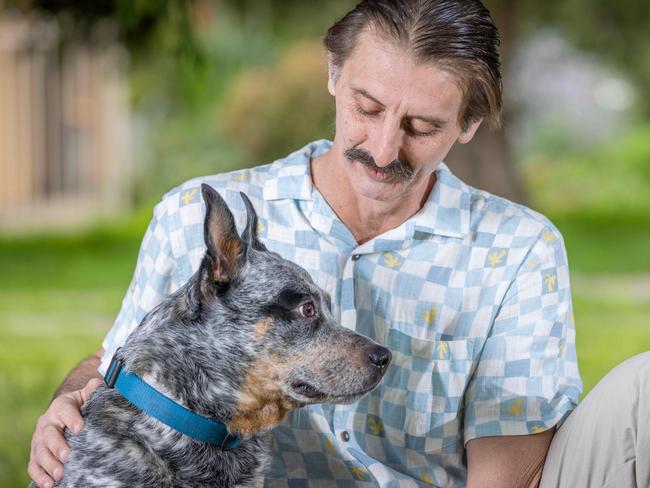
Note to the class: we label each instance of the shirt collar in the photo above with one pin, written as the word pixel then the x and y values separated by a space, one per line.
pixel 290 177
pixel 446 211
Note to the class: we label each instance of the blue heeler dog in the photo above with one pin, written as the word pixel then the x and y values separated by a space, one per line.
pixel 246 339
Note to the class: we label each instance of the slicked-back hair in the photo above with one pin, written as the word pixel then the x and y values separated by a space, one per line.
pixel 459 36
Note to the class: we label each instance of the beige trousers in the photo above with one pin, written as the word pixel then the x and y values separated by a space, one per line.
pixel 605 441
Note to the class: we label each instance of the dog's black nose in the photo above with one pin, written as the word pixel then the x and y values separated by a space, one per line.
pixel 380 356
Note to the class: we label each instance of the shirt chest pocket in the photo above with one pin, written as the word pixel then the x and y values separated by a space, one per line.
pixel 422 400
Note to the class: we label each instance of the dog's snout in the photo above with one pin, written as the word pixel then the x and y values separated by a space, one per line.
pixel 380 356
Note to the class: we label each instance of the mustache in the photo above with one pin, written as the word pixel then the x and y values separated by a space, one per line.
pixel 396 170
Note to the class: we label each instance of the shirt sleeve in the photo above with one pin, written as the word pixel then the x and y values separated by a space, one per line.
pixel 527 377
pixel 151 282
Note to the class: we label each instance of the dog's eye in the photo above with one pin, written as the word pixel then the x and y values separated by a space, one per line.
pixel 307 309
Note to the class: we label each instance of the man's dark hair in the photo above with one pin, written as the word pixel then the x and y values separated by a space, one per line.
pixel 457 35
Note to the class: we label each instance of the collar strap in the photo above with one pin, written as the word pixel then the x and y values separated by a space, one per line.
pixel 167 411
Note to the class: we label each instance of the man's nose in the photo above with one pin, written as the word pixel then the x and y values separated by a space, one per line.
pixel 387 142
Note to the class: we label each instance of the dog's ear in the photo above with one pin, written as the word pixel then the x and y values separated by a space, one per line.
pixel 224 247
pixel 249 236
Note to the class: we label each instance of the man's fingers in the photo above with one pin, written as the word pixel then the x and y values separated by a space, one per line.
pixel 56 443
pixel 90 387
pixel 39 475
pixel 45 467
pixel 49 463
pixel 49 448
pixel 68 414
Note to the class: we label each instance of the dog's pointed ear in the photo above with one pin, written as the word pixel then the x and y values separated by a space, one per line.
pixel 249 236
pixel 224 247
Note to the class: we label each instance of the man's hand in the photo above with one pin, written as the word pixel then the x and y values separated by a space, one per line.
pixel 49 448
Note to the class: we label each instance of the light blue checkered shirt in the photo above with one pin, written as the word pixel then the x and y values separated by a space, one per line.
pixel 471 295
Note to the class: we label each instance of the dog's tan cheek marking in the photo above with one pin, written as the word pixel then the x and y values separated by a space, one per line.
pixel 262 328
pixel 262 405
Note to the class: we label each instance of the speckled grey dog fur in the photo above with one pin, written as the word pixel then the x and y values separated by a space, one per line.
pixel 249 337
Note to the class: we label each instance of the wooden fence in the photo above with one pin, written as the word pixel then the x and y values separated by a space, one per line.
pixel 64 121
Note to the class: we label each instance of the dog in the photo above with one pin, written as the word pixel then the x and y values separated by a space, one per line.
pixel 246 339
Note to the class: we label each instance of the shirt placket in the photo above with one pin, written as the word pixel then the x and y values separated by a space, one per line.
pixel 342 419
pixel 353 257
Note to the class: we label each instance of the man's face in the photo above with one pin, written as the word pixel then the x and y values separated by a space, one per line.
pixel 395 119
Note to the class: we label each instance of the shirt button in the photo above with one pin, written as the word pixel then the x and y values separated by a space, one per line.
pixel 345 436
pixel 356 257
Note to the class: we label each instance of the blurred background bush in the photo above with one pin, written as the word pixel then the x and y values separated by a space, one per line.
pixel 106 105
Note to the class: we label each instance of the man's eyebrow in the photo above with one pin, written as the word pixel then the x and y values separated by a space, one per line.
pixel 364 93
pixel 434 121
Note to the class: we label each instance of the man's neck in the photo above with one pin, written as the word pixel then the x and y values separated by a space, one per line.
pixel 364 217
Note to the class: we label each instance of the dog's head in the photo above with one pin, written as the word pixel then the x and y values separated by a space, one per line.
pixel 274 312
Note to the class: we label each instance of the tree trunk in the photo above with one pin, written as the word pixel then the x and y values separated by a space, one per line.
pixel 487 162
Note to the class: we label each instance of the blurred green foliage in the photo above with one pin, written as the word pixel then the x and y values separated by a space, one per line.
pixel 614 31
pixel 277 108
pixel 607 179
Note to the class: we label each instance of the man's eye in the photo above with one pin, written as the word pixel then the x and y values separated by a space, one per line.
pixel 418 133
pixel 307 309
pixel 418 130
pixel 363 111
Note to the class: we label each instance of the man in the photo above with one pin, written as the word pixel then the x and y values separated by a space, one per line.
pixel 469 291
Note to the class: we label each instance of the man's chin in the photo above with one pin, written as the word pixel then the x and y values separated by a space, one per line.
pixel 380 192
pixel 367 186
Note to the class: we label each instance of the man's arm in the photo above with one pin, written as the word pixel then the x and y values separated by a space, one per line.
pixel 81 374
pixel 507 461
pixel 49 449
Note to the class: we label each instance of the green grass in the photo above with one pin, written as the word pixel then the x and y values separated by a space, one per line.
pixel 59 296
pixel 43 334
pixel 608 332
pixel 606 243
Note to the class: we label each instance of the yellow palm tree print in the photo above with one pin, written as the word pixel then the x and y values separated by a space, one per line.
pixel 516 408
pixel 375 426
pixel 443 350
pixel 189 195
pixel 329 446
pixel 426 477
pixel 390 260
pixel 551 282
pixel 548 236
pixel 496 257
pixel 430 316
pixel 359 472
pixel 242 176
pixel 260 227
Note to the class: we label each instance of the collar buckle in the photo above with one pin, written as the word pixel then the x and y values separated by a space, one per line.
pixel 113 370
pixel 230 441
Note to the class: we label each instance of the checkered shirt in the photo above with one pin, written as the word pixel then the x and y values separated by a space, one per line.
pixel 471 295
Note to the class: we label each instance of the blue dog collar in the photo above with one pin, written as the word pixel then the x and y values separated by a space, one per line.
pixel 166 410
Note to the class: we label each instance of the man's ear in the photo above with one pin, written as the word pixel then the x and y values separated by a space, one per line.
pixel 333 73
pixel 224 247
pixel 468 133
